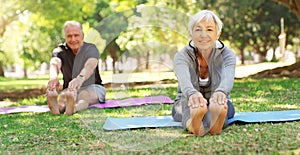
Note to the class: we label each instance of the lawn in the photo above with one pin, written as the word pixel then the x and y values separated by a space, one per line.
pixel 82 133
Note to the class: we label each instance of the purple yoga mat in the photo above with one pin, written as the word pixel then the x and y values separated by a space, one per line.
pixel 30 108
pixel 108 104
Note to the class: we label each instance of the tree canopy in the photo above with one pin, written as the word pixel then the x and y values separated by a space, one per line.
pixel 29 30
pixel 294 6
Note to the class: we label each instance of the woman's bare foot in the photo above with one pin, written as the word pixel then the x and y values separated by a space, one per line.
pixel 70 103
pixel 52 101
pixel 218 115
pixel 194 124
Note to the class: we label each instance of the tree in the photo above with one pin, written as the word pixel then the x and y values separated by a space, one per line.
pixel 47 18
pixel 293 5
pixel 125 24
pixel 148 24
pixel 129 15
pixel 257 26
pixel 10 11
pixel 111 24
pixel 34 49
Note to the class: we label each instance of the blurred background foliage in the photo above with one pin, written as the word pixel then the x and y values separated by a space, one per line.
pixel 29 30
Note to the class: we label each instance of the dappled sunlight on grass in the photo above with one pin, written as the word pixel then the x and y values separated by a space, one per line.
pixel 33 132
pixel 130 140
pixel 246 70
pixel 36 131
pixel 145 110
pixel 263 94
pixel 251 104
pixel 13 84
pixel 155 90
pixel 40 100
pixel 286 107
pixel 25 121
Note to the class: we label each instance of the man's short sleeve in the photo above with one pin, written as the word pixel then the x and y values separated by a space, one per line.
pixel 56 51
pixel 92 52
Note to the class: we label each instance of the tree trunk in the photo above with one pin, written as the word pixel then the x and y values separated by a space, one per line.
pixel 114 65
pixel 147 60
pixel 242 56
pixel 112 48
pixel 25 73
pixel 113 53
pixel 1 70
pixel 138 64
pixel 105 65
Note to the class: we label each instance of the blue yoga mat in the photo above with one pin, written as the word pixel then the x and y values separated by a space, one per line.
pixel 167 121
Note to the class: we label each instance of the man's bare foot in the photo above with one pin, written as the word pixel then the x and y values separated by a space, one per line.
pixel 194 124
pixel 70 104
pixel 62 102
pixel 52 101
pixel 218 115
pixel 62 106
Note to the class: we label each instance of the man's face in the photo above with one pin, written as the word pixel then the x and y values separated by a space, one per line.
pixel 74 37
pixel 205 34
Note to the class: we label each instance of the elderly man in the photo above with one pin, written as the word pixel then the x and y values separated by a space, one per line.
pixel 78 62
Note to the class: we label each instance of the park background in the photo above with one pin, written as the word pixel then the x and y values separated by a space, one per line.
pixel 137 41
pixel 135 36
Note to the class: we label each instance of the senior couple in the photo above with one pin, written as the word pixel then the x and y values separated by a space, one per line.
pixel 205 70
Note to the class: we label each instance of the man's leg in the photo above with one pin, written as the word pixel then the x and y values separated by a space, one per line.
pixel 89 95
pixel 85 98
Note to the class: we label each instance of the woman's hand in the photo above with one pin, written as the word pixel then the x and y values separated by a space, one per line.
pixel 196 100
pixel 218 97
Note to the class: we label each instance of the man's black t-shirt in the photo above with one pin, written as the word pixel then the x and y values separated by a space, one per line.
pixel 72 64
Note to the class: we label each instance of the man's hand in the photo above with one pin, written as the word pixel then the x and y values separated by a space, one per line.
pixel 53 84
pixel 76 83
pixel 218 97
pixel 197 100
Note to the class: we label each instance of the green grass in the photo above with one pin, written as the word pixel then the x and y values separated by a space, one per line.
pixel 82 133
pixel 16 84
pixel 266 94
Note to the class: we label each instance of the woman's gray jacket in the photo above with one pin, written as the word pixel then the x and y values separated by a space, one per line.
pixel 221 71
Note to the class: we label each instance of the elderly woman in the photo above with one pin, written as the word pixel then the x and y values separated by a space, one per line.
pixel 205 71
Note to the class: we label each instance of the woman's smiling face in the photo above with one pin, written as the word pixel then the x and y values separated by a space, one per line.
pixel 204 34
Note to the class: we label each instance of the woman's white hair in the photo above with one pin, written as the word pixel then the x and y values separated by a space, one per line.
pixel 72 23
pixel 208 15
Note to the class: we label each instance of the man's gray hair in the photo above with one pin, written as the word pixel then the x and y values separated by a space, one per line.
pixel 205 14
pixel 72 23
